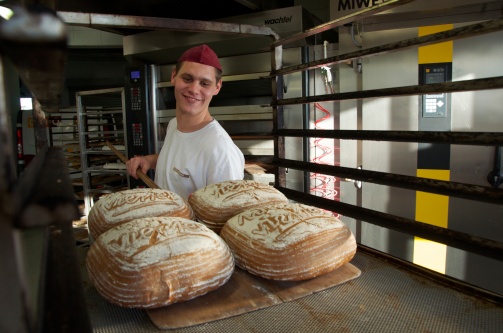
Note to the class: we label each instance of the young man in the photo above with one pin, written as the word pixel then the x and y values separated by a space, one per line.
pixel 197 151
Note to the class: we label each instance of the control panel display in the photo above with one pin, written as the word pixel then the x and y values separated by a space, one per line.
pixel 135 76
pixel 435 105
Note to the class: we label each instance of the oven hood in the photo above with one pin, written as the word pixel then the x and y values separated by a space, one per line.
pixel 164 47
pixel 431 12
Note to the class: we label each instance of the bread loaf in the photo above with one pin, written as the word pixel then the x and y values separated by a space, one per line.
pixel 116 208
pixel 214 204
pixel 288 241
pixel 154 262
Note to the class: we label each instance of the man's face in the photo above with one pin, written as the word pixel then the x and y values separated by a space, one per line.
pixel 195 85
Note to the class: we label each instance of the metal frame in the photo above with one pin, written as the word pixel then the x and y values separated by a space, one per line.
pixel 471 243
pixel 85 152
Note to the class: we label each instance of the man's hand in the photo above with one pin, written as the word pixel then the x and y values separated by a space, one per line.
pixel 144 163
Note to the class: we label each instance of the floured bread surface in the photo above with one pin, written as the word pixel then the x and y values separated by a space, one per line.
pixel 116 208
pixel 214 204
pixel 154 262
pixel 288 241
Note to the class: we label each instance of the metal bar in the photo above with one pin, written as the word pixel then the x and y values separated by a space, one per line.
pixel 278 118
pixel 374 9
pixel 306 118
pixel 473 244
pixel 457 86
pixel 7 157
pixel 458 138
pixel 444 36
pixel 14 311
pixel 453 189
pixel 63 304
pixel 100 91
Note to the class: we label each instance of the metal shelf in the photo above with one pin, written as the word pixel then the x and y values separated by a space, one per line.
pixel 95 179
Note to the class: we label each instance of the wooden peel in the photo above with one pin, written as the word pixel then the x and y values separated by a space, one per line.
pixel 140 173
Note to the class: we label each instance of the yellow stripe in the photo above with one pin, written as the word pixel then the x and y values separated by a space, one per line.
pixel 440 52
pixel 432 209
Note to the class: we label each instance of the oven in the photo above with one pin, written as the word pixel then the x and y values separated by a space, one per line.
pixel 243 106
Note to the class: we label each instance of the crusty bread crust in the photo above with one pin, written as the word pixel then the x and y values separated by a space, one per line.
pixel 288 241
pixel 154 262
pixel 117 208
pixel 214 204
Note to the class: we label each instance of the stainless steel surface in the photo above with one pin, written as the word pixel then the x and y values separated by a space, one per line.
pixel 413 42
pixel 385 298
pixel 195 9
pixel 474 58
pixel 433 12
pixel 236 37
pixel 476 111
pixel 358 15
pixel 170 37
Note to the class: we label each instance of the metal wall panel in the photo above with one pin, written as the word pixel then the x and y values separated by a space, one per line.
pixel 475 57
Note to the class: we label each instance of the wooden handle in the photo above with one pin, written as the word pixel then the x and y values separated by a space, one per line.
pixel 140 173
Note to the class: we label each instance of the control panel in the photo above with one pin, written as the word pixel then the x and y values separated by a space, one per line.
pixel 435 105
pixel 138 116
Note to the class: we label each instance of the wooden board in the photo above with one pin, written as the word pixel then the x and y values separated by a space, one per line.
pixel 244 293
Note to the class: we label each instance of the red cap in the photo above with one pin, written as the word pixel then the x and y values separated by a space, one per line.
pixel 202 54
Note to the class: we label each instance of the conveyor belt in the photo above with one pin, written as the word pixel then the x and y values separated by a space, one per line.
pixel 385 298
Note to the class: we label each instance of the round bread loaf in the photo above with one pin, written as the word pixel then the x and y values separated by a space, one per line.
pixel 116 208
pixel 214 204
pixel 288 241
pixel 154 262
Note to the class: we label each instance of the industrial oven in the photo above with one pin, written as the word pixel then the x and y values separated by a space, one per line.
pixel 243 105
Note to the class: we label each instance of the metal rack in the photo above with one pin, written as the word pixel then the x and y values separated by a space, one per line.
pixel 100 119
pixel 356 214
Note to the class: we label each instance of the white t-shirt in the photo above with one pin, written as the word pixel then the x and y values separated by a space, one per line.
pixel 190 161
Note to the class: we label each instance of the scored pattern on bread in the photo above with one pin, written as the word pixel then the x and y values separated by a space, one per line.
pixel 154 262
pixel 214 204
pixel 116 208
pixel 288 241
